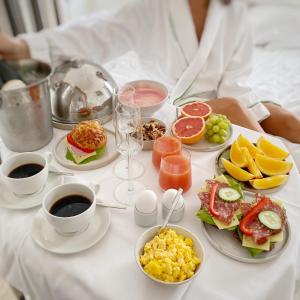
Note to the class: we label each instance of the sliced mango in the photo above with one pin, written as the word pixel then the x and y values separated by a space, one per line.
pixel 272 166
pixel 269 182
pixel 244 142
pixel 235 171
pixel 270 149
pixel 251 165
pixel 236 155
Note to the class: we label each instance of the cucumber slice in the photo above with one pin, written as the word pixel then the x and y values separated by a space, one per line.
pixel 270 219
pixel 229 194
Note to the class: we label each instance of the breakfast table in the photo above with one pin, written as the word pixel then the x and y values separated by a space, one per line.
pixel 108 270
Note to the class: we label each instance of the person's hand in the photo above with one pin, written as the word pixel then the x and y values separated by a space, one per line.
pixel 13 47
pixel 282 123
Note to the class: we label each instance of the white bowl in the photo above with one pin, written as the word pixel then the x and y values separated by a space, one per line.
pixel 151 232
pixel 148 145
pixel 150 109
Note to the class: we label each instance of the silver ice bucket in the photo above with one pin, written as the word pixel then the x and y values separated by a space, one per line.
pixel 25 113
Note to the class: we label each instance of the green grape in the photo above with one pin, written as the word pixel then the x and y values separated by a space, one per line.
pixel 222 140
pixel 223 125
pixel 216 138
pixel 216 128
pixel 209 125
pixel 223 133
pixel 211 140
pixel 210 132
pixel 213 120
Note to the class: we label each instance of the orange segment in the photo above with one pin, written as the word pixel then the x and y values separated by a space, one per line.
pixel 235 171
pixel 272 166
pixel 270 149
pixel 269 182
pixel 244 142
pixel 236 155
pixel 251 165
pixel 189 130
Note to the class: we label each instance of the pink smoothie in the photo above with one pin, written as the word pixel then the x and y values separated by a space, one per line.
pixel 144 96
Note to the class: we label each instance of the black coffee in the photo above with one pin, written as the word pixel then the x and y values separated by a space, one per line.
pixel 26 171
pixel 70 206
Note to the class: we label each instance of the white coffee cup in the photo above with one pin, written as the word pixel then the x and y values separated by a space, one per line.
pixel 73 224
pixel 26 185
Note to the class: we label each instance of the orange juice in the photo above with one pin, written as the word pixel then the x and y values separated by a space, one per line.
pixel 163 146
pixel 175 172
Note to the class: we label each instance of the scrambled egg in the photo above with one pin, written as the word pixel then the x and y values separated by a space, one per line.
pixel 170 257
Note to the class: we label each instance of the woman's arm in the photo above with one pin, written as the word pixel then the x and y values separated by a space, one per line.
pixel 98 37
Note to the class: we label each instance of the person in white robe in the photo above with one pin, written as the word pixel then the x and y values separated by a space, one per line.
pixel 198 48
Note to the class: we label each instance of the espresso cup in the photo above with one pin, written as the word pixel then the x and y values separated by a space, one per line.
pixel 69 224
pixel 25 185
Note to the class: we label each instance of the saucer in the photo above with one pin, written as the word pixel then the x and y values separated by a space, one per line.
pixel 45 236
pixel 12 201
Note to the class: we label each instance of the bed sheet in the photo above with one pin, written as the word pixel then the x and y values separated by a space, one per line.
pixel 276 75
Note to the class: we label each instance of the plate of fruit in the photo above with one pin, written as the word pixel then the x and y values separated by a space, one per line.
pixel 258 166
pixel 201 130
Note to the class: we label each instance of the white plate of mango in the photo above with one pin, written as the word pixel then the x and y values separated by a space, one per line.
pixel 260 166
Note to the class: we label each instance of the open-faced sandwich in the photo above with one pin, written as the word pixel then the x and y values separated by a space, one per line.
pixel 258 225
pixel 220 203
pixel 86 142
pixel 261 225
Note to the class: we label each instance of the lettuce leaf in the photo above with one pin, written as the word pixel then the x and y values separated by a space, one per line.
pixel 205 216
pixel 99 153
pixel 235 185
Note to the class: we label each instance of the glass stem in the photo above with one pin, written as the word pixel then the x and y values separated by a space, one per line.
pixel 130 182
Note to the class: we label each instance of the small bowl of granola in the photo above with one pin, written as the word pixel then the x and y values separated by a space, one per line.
pixel 152 129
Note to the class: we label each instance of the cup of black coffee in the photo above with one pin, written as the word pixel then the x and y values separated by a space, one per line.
pixel 70 207
pixel 25 173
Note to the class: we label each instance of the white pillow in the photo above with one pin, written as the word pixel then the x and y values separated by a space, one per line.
pixel 276 26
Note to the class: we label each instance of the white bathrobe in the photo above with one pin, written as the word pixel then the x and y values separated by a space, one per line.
pixel 163 35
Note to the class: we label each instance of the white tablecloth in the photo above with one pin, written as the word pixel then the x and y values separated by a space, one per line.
pixel 108 270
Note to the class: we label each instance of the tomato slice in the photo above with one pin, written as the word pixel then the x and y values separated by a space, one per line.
pixel 212 197
pixel 73 143
pixel 252 214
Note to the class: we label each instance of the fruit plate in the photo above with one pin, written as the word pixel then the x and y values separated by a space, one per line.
pixel 109 155
pixel 205 146
pixel 227 244
pixel 245 185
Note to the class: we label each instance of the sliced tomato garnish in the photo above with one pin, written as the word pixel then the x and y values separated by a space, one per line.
pixel 73 143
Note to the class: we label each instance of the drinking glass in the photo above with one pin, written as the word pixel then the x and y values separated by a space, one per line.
pixel 175 171
pixel 126 98
pixel 129 141
pixel 163 146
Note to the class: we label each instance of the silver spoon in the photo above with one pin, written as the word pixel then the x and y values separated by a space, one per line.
pixel 175 202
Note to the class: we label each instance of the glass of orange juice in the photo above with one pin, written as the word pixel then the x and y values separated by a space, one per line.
pixel 163 146
pixel 175 171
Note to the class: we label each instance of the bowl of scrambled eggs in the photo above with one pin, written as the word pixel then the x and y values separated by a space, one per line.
pixel 173 256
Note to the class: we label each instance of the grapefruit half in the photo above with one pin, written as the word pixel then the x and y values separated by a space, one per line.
pixel 189 130
pixel 196 109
